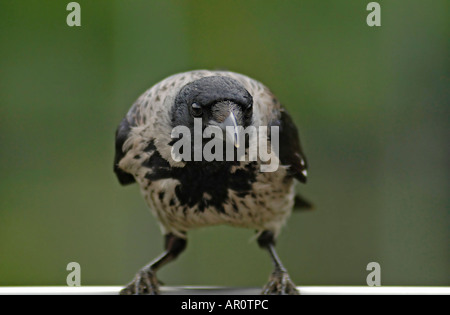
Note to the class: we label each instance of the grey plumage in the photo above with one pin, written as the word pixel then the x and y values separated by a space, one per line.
pixel 184 195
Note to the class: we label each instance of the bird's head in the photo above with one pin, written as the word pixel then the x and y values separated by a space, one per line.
pixel 218 101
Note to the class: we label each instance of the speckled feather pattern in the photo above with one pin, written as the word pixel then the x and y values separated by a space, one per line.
pixel 272 193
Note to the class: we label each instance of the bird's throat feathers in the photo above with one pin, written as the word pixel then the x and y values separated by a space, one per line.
pixel 198 180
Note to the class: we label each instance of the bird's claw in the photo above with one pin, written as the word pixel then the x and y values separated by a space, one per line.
pixel 280 284
pixel 145 283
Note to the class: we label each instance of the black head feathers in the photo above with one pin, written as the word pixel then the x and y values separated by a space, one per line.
pixel 206 92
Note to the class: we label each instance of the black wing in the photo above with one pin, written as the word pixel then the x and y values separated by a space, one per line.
pixel 291 153
pixel 121 136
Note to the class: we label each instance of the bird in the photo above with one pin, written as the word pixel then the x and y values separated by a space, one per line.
pixel 186 193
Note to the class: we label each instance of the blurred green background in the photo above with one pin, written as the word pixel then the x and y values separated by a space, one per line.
pixel 371 103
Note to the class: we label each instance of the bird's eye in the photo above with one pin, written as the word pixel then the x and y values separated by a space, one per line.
pixel 196 110
pixel 248 110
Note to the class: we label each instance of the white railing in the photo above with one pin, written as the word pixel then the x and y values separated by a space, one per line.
pixel 197 290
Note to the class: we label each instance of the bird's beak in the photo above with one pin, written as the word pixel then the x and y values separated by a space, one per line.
pixel 231 129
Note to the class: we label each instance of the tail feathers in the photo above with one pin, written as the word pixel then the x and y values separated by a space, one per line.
pixel 301 204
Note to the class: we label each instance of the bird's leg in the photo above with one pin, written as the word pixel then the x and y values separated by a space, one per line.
pixel 145 281
pixel 279 281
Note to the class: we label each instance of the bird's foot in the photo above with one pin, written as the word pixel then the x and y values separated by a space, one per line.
pixel 145 283
pixel 280 284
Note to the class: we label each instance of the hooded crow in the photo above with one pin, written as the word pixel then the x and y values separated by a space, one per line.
pixel 197 144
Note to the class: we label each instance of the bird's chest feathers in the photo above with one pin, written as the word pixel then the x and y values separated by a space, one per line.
pixel 201 185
